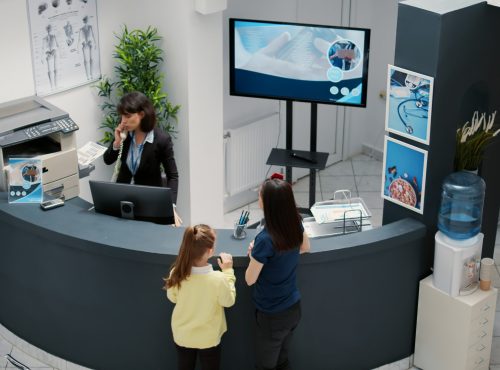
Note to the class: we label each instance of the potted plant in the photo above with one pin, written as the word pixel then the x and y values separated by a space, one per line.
pixel 472 139
pixel 139 60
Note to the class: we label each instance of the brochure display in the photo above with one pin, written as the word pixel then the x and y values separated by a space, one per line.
pixel 404 168
pixel 25 180
pixel 408 104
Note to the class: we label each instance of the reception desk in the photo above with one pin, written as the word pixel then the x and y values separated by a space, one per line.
pixel 86 287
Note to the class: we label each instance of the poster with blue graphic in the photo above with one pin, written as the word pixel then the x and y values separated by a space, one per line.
pixel 403 180
pixel 408 104
pixel 25 180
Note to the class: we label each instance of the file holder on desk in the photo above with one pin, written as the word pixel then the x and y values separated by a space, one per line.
pixel 337 216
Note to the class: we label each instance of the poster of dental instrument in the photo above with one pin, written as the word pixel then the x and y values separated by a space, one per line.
pixel 408 104
pixel 25 180
pixel 64 44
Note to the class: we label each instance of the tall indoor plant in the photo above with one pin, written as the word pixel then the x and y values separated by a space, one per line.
pixel 472 139
pixel 138 66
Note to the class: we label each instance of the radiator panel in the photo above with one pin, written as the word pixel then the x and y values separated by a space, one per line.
pixel 246 151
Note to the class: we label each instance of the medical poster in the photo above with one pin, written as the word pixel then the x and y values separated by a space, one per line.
pixel 408 104
pixel 25 180
pixel 64 44
pixel 403 180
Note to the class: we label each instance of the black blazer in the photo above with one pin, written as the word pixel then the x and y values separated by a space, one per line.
pixel 149 172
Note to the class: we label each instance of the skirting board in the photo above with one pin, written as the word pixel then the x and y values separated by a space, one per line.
pixel 373 152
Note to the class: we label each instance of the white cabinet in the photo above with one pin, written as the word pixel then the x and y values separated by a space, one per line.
pixel 454 332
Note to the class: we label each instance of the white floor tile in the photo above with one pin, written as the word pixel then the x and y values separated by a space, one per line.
pixel 369 183
pixel 372 199
pixel 367 168
pixel 362 157
pixel 72 366
pixel 496 327
pixel 495 351
pixel 5 347
pixel 330 184
pixel 303 184
pixel 3 362
pixel 343 168
pixel 27 360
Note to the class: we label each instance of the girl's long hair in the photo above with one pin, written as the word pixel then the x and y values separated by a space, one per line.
pixel 283 222
pixel 195 242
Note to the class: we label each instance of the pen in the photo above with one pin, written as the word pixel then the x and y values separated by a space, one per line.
pixel 298 156
pixel 240 221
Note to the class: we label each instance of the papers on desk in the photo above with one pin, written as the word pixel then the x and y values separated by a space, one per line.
pixel 89 153
pixel 338 210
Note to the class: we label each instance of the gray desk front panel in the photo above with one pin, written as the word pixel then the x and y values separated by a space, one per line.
pixel 87 287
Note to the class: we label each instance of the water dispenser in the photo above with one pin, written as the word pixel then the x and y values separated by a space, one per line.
pixel 461 208
pixel 458 243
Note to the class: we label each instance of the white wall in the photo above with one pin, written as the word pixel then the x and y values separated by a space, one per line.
pixel 366 126
pixel 194 60
pixel 183 32
pixel 362 125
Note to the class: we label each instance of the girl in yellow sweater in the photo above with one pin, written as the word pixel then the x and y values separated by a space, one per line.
pixel 200 295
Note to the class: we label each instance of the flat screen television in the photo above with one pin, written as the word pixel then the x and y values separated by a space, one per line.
pixel 299 62
pixel 137 202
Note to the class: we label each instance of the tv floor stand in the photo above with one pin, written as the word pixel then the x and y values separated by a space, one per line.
pixel 290 158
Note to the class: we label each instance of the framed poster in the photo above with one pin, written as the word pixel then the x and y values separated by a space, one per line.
pixel 408 104
pixel 25 180
pixel 403 180
pixel 64 44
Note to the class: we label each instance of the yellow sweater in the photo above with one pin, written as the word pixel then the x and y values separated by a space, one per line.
pixel 198 320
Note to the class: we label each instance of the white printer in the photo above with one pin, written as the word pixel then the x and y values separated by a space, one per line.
pixel 31 127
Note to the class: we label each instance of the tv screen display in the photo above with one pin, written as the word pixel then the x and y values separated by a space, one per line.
pixel 137 202
pixel 301 62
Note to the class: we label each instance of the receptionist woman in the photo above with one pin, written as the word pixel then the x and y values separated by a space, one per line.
pixel 141 146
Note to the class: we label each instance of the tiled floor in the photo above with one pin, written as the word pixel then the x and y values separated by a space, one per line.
pixel 361 175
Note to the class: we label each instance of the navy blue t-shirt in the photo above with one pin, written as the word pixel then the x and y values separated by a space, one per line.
pixel 276 287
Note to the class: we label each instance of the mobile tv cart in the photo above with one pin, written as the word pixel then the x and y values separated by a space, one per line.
pixel 299 158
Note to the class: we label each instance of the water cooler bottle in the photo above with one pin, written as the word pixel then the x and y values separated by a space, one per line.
pixel 458 243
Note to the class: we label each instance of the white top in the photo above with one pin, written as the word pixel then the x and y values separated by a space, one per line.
pixel 441 6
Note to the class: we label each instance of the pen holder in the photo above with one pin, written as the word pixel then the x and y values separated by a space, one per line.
pixel 239 231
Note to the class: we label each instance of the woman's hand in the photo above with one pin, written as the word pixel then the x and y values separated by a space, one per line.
pixel 177 219
pixel 118 132
pixel 225 261
pixel 249 250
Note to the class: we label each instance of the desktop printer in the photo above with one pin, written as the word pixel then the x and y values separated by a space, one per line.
pixel 32 128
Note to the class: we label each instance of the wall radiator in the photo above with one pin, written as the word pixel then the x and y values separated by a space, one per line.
pixel 246 150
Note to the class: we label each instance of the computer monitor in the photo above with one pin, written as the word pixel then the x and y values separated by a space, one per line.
pixel 136 202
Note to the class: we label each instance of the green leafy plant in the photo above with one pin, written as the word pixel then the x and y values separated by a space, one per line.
pixel 472 139
pixel 139 60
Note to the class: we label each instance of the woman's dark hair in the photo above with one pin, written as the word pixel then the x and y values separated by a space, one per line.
pixel 136 102
pixel 283 222
pixel 196 241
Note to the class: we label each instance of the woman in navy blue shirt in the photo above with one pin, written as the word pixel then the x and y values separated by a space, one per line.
pixel 274 255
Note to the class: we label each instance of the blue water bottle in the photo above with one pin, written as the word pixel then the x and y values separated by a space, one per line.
pixel 461 210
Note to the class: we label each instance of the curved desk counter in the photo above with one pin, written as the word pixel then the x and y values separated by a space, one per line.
pixel 87 288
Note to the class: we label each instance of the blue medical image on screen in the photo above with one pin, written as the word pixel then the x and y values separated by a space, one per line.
pixel 301 62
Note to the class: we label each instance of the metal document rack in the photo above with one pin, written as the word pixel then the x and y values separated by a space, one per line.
pixel 338 216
